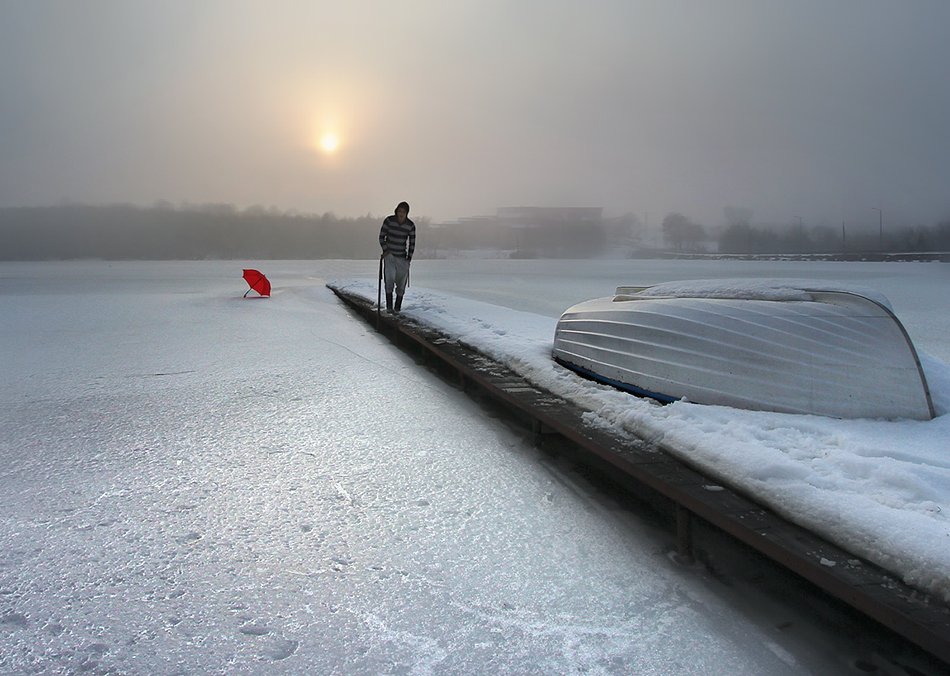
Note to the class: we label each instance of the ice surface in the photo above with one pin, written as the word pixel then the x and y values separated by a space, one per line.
pixel 192 482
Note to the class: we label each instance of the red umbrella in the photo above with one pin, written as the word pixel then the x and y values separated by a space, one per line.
pixel 257 281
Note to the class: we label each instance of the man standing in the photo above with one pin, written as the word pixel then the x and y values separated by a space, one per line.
pixel 397 238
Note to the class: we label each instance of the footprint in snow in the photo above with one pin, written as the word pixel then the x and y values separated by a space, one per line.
pixel 253 629
pixel 280 648
pixel 188 538
pixel 15 620
pixel 273 648
pixel 340 564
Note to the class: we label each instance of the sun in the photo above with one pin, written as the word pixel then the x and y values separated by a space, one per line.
pixel 329 143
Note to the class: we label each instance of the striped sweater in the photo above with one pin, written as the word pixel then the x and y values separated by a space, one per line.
pixel 399 240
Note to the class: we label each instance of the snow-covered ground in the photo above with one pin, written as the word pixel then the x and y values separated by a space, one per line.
pixel 878 488
pixel 192 482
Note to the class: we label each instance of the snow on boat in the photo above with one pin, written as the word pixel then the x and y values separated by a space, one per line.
pixel 767 345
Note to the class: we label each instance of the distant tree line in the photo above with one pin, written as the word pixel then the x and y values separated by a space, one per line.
pixel 741 237
pixel 165 232
pixel 222 231
pixel 744 238
pixel 747 239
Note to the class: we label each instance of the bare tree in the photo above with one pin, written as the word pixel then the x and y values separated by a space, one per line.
pixel 682 233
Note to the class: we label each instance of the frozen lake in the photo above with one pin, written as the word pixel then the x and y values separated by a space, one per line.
pixel 916 290
pixel 194 482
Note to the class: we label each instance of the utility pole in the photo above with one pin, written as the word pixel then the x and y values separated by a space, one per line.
pixel 880 236
pixel 844 238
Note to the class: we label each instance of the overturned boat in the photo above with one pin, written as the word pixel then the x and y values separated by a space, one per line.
pixel 770 345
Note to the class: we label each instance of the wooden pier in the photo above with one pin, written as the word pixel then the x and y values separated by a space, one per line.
pixel 639 464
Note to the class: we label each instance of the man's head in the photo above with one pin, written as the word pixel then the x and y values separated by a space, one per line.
pixel 402 211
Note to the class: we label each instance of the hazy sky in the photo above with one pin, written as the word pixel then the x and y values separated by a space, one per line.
pixel 800 108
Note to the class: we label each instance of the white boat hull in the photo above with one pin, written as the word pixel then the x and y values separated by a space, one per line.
pixel 838 354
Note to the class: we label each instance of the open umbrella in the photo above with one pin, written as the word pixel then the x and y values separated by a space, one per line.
pixel 257 281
